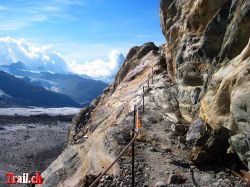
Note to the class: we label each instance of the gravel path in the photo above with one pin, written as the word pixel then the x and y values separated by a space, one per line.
pixel 162 156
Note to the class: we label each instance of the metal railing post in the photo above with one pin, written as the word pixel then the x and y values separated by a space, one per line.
pixel 113 163
pixel 152 75
pixel 148 84
pixel 131 143
pixel 143 107
pixel 133 149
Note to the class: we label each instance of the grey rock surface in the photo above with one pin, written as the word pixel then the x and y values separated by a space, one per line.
pixel 196 130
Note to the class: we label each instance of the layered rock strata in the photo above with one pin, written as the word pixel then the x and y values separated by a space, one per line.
pixel 208 54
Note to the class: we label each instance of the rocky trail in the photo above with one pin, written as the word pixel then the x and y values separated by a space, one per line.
pixel 162 154
pixel 165 151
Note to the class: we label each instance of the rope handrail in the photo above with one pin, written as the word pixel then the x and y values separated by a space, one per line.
pixel 142 84
pixel 135 131
pixel 111 165
pixel 149 77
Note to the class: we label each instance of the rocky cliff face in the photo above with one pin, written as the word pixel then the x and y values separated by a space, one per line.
pixel 208 52
pixel 196 106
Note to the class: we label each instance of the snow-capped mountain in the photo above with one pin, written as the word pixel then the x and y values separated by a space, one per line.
pixel 35 58
pixel 80 89
pixel 44 59
pixel 40 66
pixel 16 92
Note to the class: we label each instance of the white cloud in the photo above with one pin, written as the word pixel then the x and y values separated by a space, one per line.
pixel 43 58
pixel 99 68
pixel 36 58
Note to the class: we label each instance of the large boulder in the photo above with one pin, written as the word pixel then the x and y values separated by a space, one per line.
pixel 196 130
pixel 241 144
pixel 211 147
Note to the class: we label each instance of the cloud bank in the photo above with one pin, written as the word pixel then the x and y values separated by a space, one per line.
pixel 43 58
pixel 100 69
pixel 35 58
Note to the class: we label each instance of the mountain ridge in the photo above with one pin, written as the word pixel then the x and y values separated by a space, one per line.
pixel 19 93
pixel 80 89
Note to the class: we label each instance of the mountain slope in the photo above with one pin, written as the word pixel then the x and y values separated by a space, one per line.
pixel 18 92
pixel 106 123
pixel 80 89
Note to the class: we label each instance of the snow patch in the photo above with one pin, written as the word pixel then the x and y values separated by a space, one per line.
pixel 39 110
pixel 2 93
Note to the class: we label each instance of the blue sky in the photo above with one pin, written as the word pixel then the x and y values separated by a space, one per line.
pixel 82 30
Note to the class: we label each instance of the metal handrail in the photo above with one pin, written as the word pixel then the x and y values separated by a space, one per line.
pixel 135 133
pixel 111 165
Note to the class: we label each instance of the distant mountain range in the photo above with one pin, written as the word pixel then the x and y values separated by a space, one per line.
pixel 43 68
pixel 76 90
pixel 16 92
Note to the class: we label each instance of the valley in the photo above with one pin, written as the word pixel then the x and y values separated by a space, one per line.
pixel 31 138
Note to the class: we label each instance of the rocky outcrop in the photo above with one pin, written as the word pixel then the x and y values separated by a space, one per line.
pixel 227 102
pixel 134 55
pixel 100 131
pixel 206 55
